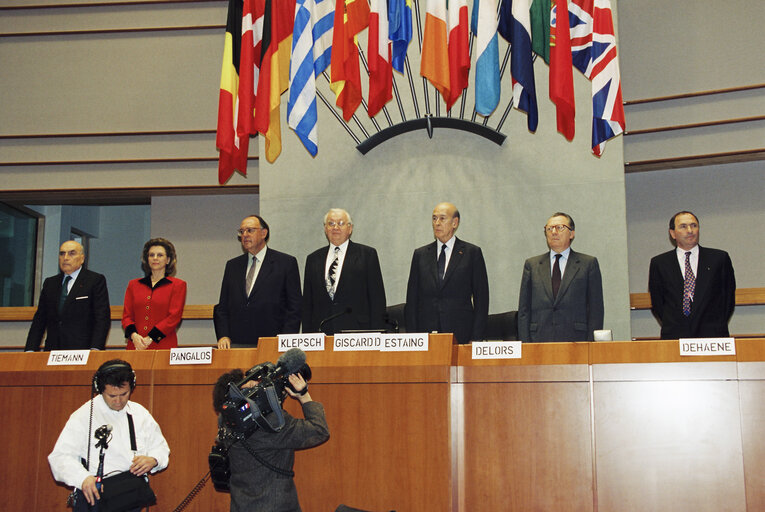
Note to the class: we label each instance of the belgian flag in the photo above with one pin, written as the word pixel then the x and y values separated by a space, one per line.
pixel 233 149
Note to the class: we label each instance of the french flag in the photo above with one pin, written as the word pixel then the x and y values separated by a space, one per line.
pixel 380 69
pixel 521 62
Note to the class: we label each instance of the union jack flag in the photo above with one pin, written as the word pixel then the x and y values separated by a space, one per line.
pixel 593 48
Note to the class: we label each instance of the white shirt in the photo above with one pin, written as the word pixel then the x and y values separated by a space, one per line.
pixel 72 443
pixel 561 263
pixel 340 259
pixel 449 250
pixel 250 261
pixel 694 260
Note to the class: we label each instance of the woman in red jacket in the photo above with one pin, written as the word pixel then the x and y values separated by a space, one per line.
pixel 154 304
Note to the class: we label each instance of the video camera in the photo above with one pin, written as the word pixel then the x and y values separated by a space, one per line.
pixel 246 408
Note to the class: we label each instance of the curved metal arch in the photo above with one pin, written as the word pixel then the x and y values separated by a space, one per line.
pixel 429 123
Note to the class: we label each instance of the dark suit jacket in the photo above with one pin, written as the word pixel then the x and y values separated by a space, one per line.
pixel 359 287
pixel 575 312
pixel 273 306
pixel 460 305
pixel 714 296
pixel 84 321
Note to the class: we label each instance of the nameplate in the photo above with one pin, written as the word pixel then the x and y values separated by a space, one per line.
pixel 358 341
pixel 496 349
pixel 191 355
pixel 415 342
pixel 707 347
pixel 305 342
pixel 66 357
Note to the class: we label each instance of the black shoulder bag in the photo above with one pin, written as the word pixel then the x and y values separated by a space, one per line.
pixel 126 491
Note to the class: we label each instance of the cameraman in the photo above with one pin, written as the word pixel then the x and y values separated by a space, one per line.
pixel 255 487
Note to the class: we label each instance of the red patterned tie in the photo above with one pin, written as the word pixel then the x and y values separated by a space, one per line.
pixel 690 285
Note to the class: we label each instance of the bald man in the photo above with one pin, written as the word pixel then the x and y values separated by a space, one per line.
pixel 448 289
pixel 73 306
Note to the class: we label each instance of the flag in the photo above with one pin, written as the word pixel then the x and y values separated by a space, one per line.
pixel 313 20
pixel 561 77
pixel 252 32
pixel 434 64
pixel 459 49
pixel 484 27
pixel 380 69
pixel 351 17
pixel 323 17
pixel 593 47
pixel 399 30
pixel 522 64
pixel 233 150
pixel 274 72
pixel 540 28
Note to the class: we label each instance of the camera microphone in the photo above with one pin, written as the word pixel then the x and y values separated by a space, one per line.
pixel 290 362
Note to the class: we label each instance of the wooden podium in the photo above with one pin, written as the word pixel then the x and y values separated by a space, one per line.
pixel 595 427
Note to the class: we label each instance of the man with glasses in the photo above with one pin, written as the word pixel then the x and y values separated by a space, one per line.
pixel 73 308
pixel 448 288
pixel 693 288
pixel 260 294
pixel 343 285
pixel 561 295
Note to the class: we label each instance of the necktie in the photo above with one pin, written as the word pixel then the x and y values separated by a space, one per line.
pixel 689 286
pixel 251 275
pixel 556 276
pixel 332 275
pixel 64 293
pixel 442 263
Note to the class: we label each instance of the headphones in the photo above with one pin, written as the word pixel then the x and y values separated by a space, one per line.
pixel 109 368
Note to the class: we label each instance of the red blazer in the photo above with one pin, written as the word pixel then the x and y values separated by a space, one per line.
pixel 154 312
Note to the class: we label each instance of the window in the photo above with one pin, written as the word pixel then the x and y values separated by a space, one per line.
pixel 18 256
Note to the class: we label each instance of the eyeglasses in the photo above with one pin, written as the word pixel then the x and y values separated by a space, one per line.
pixel 340 223
pixel 249 231
pixel 559 228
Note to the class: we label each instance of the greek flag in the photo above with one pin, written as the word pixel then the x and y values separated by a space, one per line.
pixel 311 48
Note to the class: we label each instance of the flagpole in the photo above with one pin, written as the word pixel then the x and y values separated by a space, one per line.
pixel 398 100
pixel 337 116
pixel 419 41
pixel 384 108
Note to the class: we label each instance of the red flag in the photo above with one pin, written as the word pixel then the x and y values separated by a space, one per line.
pixel 249 70
pixel 380 69
pixel 351 17
pixel 561 77
pixel 233 149
pixel 459 50
pixel 278 18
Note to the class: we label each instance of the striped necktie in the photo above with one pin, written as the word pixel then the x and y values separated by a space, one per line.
pixel 689 286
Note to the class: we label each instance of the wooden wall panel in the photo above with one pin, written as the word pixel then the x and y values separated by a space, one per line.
pixel 527 447
pixel 673 446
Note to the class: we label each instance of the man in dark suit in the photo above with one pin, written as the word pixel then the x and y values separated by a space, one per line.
pixel 73 306
pixel 260 293
pixel 342 285
pixel 693 288
pixel 561 295
pixel 448 289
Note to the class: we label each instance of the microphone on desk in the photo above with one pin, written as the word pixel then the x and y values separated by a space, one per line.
pixel 346 311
